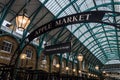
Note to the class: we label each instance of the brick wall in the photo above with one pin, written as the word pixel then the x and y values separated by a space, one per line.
pixel 5 56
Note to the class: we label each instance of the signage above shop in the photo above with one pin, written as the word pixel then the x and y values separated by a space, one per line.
pixel 58 48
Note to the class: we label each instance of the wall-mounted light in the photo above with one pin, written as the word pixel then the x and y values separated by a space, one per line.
pixel 67 68
pixel 57 65
pixel 23 56
pixel 80 71
pixel 22 20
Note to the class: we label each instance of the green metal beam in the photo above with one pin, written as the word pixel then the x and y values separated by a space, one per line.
pixel 76 11
pixel 96 51
pixel 40 19
pixel 39 49
pixel 96 40
pixel 19 10
pixel 96 44
pixel 99 37
pixel 5 11
pixel 83 24
pixel 66 7
pixel 103 5
pixel 22 45
pixel 33 17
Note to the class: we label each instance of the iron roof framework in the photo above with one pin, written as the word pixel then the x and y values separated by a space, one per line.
pixel 99 43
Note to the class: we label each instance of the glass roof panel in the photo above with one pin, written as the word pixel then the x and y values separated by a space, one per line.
pixel 98 38
pixel 113 62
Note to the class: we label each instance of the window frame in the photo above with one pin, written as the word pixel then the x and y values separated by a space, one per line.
pixel 4 45
pixel 31 54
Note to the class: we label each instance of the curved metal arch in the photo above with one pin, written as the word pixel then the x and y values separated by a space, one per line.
pixel 98 54
pixel 94 60
pixel 95 56
pixel 101 45
pixel 96 44
pixel 91 57
pixel 112 52
pixel 97 51
pixel 85 32
pixel 97 61
pixel 111 46
pixel 98 48
pixel 115 3
pixel 65 7
pixel 76 29
pixel 106 4
pixel 102 59
pixel 96 34
pixel 102 5
pixel 105 51
pixel 100 42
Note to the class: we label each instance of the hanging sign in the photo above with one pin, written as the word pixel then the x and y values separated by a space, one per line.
pixel 58 48
pixel 84 17
pixel 92 16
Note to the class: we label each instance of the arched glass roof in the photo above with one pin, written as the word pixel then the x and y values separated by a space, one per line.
pixel 98 42
pixel 101 40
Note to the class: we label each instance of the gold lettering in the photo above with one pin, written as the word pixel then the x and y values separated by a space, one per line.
pixel 75 18
pixel 81 17
pixel 64 21
pixel 88 15
pixel 49 26
pixel 57 23
pixel 84 17
pixel 69 19
pixel 36 32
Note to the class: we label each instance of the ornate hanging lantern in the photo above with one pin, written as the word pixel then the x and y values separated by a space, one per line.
pixel 80 57
pixel 22 21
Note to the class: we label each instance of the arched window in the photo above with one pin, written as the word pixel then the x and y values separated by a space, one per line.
pixel 54 62
pixel 29 53
pixel 6 46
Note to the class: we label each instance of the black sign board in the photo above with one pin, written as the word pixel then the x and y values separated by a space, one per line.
pixel 58 48
pixel 92 16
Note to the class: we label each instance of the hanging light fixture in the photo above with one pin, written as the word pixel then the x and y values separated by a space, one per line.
pixel 97 67
pixel 103 72
pixel 74 70
pixel 80 57
pixel 22 20
pixel 79 71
